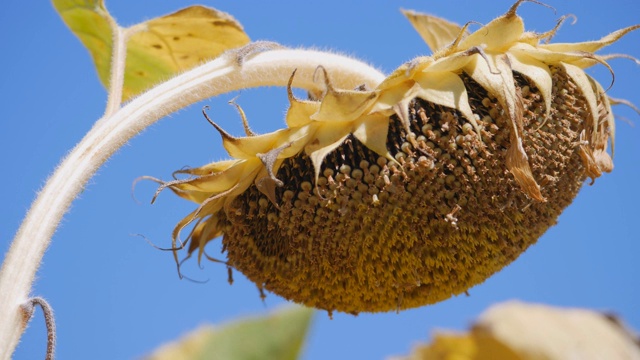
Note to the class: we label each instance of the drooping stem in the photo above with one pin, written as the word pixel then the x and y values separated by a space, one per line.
pixel 224 74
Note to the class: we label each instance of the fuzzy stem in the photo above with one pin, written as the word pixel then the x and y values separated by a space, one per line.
pixel 118 64
pixel 118 61
pixel 271 68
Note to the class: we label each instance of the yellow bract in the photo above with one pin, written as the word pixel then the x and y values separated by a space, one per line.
pixel 489 56
pixel 435 31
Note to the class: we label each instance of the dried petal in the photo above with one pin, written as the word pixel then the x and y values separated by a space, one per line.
pixel 435 31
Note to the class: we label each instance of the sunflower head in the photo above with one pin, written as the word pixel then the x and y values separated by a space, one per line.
pixel 409 193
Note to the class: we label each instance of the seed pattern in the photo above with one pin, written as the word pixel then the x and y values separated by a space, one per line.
pixel 372 235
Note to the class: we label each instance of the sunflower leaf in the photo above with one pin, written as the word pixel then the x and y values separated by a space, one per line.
pixel 161 48
pixel 90 21
pixel 276 336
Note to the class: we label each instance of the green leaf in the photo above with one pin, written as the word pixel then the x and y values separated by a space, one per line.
pixel 278 336
pixel 159 48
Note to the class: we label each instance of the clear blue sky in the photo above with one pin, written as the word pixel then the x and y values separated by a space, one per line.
pixel 117 298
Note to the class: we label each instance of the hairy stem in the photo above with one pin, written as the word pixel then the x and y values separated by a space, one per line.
pixel 118 64
pixel 226 73
pixel 118 61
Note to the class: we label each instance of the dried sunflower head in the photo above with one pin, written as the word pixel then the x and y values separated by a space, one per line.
pixel 407 194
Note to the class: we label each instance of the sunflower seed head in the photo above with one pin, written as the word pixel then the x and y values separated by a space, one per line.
pixel 410 193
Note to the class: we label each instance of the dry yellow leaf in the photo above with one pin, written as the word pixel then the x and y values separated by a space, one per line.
pixel 161 48
pixel 177 42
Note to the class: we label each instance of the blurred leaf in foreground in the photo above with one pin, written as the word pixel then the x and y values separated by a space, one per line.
pixel 159 48
pixel 278 336
pixel 518 331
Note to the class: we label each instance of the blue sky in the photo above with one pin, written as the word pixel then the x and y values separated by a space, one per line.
pixel 117 298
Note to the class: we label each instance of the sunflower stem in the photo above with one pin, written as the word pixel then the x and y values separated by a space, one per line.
pixel 224 74
pixel 118 62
